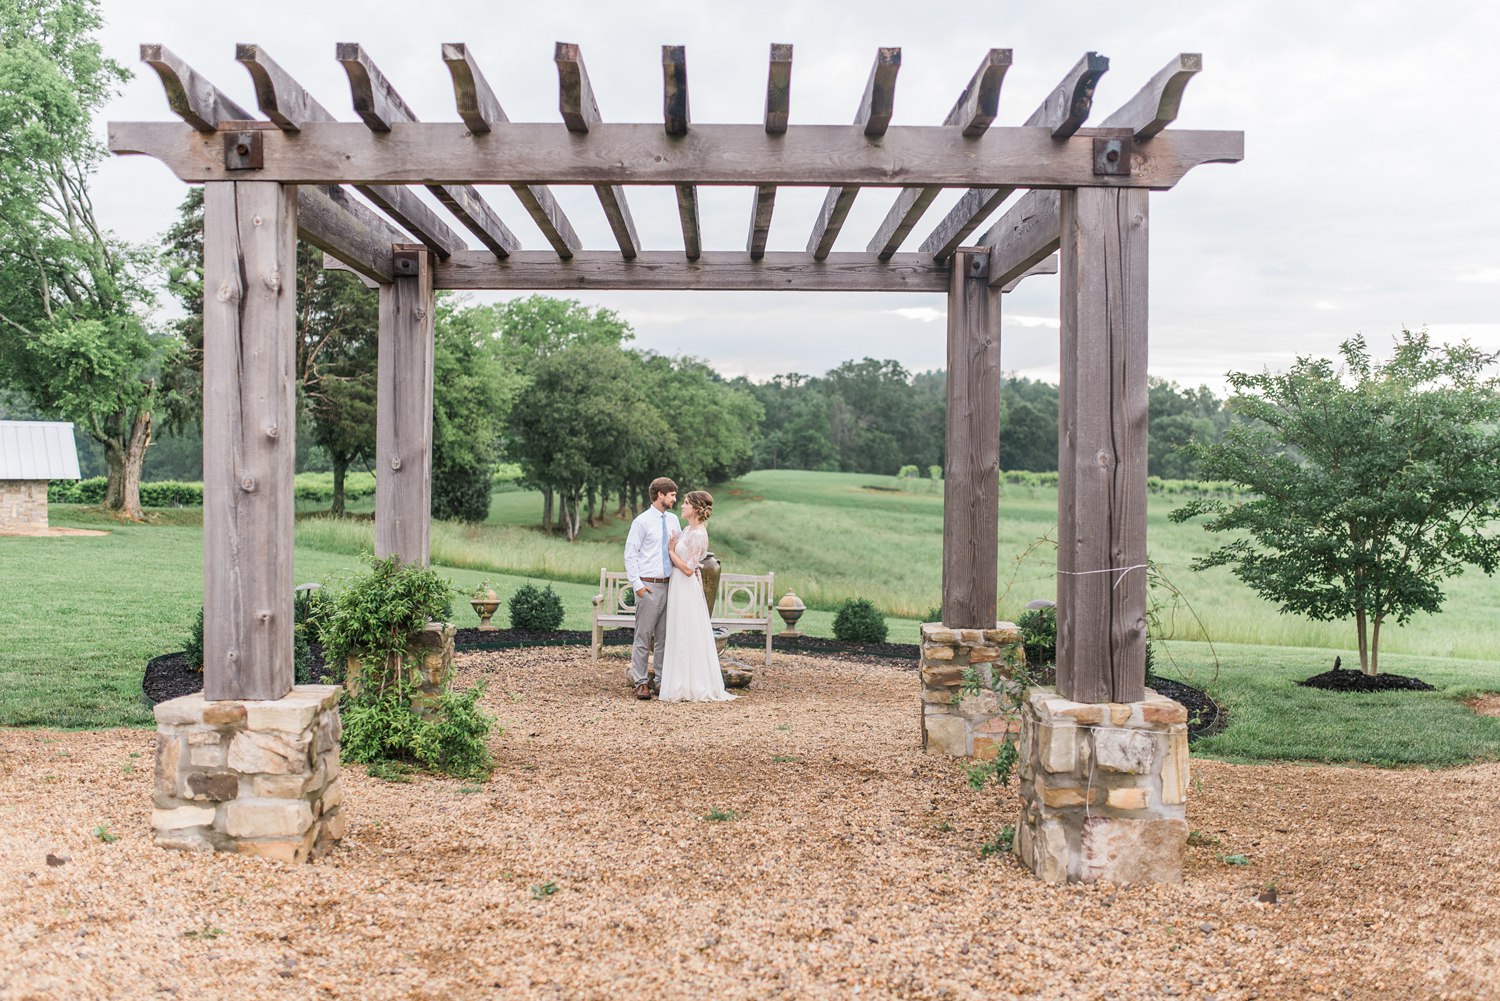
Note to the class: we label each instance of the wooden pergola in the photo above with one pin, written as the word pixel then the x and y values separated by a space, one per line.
pixel 1083 191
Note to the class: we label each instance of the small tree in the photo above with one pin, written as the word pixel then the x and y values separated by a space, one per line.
pixel 1371 485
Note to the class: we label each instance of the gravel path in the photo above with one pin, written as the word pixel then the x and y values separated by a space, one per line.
pixel 851 868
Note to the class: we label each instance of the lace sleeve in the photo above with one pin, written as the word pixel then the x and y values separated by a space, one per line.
pixel 696 543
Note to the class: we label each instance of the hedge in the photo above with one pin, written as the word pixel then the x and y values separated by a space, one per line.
pixel 317 487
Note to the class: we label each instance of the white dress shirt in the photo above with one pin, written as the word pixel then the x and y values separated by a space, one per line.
pixel 645 545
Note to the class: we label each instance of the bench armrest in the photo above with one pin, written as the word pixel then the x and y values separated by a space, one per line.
pixel 597 600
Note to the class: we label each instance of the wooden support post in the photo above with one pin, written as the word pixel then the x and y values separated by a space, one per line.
pixel 1102 413
pixel 249 437
pixel 403 411
pixel 971 488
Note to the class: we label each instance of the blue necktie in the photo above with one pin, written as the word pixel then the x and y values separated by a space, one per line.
pixel 666 562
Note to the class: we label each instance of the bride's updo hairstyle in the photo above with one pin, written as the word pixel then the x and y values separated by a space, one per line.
pixel 703 503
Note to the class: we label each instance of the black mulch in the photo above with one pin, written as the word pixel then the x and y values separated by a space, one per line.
pixel 1205 716
pixel 168 676
pixel 1338 680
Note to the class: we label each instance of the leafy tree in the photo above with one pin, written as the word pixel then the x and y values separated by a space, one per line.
pixel 538 326
pixel 1178 418
pixel 473 386
pixel 794 434
pixel 1372 485
pixel 73 335
pixel 585 419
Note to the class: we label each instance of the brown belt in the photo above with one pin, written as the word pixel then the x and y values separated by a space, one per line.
pixel 656 580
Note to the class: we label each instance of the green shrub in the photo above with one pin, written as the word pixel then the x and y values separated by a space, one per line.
pixel 1039 635
pixel 535 609
pixel 859 621
pixel 461 493
pixel 380 726
pixel 376 612
pixel 934 614
pixel 194 649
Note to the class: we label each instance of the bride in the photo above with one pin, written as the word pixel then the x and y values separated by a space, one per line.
pixel 690 666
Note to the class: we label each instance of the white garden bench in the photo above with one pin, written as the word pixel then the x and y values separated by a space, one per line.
pixel 746 603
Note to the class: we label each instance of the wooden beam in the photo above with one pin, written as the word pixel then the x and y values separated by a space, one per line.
pixel 381 107
pixel 1047 266
pixel 580 112
pixel 481 111
pixel 676 116
pixel 971 479
pixel 721 270
pixel 1030 229
pixel 731 155
pixel 779 89
pixel 1062 113
pixel 875 110
pixel 344 229
pixel 249 438
pixel 1102 424
pixel 1156 105
pixel 778 112
pixel 287 103
pixel 760 220
pixel 477 104
pixel 1026 234
pixel 973 112
pixel 190 96
pixel 403 414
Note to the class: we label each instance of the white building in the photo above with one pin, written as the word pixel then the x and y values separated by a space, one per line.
pixel 31 454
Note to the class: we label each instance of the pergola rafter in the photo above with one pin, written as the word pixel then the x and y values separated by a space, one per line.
pixel 1088 198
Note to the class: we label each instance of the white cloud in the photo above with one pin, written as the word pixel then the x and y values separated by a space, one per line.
pixel 922 314
pixel 1485 276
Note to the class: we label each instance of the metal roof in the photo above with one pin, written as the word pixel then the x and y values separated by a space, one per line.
pixel 38 450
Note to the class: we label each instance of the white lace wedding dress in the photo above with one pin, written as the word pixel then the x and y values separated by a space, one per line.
pixel 690 667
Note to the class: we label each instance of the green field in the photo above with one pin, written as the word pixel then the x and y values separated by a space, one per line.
pixel 82 615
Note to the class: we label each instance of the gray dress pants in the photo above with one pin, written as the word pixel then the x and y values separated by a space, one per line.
pixel 650 632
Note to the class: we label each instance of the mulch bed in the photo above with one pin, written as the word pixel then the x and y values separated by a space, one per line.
pixel 169 677
pixel 1338 680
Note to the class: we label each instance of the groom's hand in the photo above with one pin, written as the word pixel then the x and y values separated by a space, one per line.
pixel 643 590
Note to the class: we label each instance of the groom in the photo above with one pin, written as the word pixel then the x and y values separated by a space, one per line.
pixel 650 568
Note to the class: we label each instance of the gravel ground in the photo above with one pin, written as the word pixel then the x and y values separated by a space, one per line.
pixel 851 867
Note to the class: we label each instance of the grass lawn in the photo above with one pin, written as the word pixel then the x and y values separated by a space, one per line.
pixel 1271 718
pixel 83 615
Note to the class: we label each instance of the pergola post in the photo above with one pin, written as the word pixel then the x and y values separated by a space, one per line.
pixel 1102 424
pixel 249 437
pixel 971 527
pixel 403 410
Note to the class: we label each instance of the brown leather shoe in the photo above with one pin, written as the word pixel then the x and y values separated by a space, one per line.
pixel 643 692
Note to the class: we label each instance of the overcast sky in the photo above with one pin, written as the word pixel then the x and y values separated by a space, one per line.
pixel 1366 200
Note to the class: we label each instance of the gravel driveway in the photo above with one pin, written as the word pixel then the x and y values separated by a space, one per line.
pixel 848 864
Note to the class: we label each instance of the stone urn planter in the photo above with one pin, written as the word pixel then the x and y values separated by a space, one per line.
pixel 485 602
pixel 736 674
pixel 790 608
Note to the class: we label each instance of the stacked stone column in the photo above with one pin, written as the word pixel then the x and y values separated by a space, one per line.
pixel 253 777
pixel 962 725
pixel 1103 789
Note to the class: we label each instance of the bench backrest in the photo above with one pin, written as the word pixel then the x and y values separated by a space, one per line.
pixel 741 595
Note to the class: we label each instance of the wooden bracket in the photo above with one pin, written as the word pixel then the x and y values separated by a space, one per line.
pixel 244 150
pixel 1112 157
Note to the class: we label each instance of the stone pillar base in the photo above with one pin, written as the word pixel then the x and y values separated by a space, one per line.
pixel 961 725
pixel 1103 789
pixel 253 777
